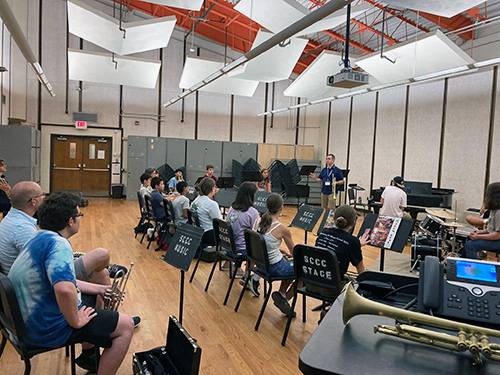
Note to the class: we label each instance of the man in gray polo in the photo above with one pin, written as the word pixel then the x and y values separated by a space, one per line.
pixel 19 226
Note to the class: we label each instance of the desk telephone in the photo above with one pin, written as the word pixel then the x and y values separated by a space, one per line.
pixel 470 292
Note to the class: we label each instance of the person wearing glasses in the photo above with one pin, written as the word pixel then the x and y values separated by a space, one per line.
pixel 58 310
pixel 17 228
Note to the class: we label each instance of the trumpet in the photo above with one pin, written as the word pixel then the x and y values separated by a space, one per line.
pixel 115 295
pixel 334 189
pixel 469 337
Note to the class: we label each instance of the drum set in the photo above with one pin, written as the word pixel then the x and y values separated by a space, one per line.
pixel 439 234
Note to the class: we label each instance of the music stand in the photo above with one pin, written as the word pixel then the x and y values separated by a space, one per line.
pixel 252 176
pixel 199 179
pixel 306 170
pixel 345 173
pixel 225 182
pixel 306 218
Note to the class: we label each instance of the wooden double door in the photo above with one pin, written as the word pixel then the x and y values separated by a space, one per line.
pixel 81 164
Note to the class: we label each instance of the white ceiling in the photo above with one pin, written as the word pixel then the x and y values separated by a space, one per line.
pixel 443 8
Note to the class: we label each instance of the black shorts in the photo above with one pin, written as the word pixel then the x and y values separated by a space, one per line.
pixel 98 330
pixel 89 300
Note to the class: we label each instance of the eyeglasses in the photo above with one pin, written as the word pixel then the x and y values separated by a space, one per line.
pixel 37 196
pixel 79 215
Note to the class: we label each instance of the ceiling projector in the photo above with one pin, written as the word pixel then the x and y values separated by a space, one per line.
pixel 347 79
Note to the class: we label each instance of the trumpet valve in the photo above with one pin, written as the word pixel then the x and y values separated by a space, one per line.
pixel 474 344
pixel 462 341
pixel 485 346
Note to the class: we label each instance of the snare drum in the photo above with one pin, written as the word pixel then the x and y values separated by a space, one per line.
pixel 431 225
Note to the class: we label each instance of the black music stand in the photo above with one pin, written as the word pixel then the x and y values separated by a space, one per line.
pixel 181 251
pixel 345 173
pixel 298 191
pixel 199 179
pixel 399 242
pixel 306 170
pixel 307 218
pixel 225 182
pixel 252 176
pixel 260 201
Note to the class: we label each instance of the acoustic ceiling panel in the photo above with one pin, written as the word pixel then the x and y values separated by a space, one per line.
pixel 273 65
pixel 311 83
pixel 97 27
pixel 99 67
pixel 196 69
pixel 276 15
pixel 444 8
pixel 184 4
pixel 431 53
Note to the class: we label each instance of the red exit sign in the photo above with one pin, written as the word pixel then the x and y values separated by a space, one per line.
pixel 81 124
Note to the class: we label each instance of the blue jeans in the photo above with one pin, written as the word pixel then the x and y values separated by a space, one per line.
pixel 283 268
pixel 473 246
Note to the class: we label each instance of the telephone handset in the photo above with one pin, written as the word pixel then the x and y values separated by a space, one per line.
pixel 430 284
pixel 471 290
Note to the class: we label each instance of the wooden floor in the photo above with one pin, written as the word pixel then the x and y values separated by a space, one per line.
pixel 229 343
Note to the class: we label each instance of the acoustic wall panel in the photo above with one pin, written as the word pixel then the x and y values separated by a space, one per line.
pixel 339 130
pixel 360 157
pixel 136 101
pixel 99 67
pixel 103 30
pixel 315 127
pixel 214 116
pixel 495 155
pixel 390 131
pixel 466 138
pixel 425 112
pixel 178 118
pixel 103 100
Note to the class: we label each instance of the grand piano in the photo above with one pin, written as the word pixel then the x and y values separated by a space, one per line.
pixel 420 194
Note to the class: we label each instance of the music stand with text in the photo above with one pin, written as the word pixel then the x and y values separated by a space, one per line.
pixel 260 201
pixel 400 239
pixel 307 218
pixel 181 251
pixel 225 182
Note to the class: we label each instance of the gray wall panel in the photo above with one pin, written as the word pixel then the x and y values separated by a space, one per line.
pixel 157 152
pixel 339 130
pixel 176 153
pixel 465 143
pixel 495 154
pixel 137 147
pixel 425 112
pixel 360 157
pixel 135 167
pixel 390 130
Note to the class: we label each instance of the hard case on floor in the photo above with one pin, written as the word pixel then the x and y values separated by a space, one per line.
pixel 180 356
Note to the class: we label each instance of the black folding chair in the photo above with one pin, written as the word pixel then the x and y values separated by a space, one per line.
pixel 318 268
pixel 13 328
pixel 225 249
pixel 146 215
pixel 257 254
pixel 159 224
pixel 169 221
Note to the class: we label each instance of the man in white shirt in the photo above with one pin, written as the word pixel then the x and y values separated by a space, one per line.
pixel 181 203
pixel 394 200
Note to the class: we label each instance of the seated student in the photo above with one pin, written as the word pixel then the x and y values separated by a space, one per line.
pixel 181 203
pixel 488 239
pixel 210 173
pixel 265 183
pixel 19 226
pixel 4 189
pixel 157 197
pixel 207 209
pixel 241 216
pixel 344 245
pixel 274 233
pixel 175 180
pixel 49 297
pixel 394 200
pixel 152 172
pixel 146 185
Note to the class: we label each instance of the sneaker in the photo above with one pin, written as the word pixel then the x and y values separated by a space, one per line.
pixel 282 303
pixel 225 267
pixel 242 282
pixel 254 287
pixel 137 320
pixel 86 360
pixel 114 268
pixel 239 274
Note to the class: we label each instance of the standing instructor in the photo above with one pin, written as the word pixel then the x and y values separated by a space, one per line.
pixel 329 176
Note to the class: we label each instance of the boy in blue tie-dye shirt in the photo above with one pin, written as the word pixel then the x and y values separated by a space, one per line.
pixel 43 276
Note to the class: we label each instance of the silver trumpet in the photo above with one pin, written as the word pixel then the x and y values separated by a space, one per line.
pixel 115 295
pixel 469 337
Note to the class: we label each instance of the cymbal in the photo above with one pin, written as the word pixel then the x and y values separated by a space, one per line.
pixel 454 225
pixel 441 212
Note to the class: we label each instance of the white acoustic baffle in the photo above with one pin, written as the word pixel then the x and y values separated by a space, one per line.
pixel 99 68
pixel 276 15
pixel 184 4
pixel 311 83
pixel 273 65
pixel 432 52
pixel 98 28
pixel 197 69
pixel 443 8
